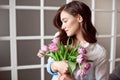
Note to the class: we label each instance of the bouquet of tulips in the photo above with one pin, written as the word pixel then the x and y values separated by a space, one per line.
pixel 75 56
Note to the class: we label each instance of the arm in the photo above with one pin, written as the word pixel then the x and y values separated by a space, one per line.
pixel 102 66
pixel 50 61
pixel 57 66
pixel 66 76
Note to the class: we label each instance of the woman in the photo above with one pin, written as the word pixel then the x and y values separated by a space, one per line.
pixel 74 20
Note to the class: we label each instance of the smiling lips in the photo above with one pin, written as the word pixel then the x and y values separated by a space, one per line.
pixel 66 30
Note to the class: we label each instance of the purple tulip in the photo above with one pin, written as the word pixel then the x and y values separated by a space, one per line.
pixel 81 73
pixel 81 58
pixel 82 50
pixel 86 66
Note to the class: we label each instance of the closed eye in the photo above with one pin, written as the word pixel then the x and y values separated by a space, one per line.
pixel 64 20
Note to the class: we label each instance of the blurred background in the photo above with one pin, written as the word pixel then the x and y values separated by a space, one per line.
pixel 26 25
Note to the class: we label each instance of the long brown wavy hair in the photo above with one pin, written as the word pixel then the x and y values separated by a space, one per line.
pixel 74 8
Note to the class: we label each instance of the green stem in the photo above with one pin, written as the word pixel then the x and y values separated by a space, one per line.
pixel 80 66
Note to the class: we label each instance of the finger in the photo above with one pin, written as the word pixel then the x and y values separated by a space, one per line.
pixel 61 78
pixel 66 61
pixel 59 75
pixel 66 71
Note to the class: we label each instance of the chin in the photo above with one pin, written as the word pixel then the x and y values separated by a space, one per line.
pixel 69 35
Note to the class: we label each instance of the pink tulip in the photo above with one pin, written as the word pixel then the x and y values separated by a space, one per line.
pixel 39 54
pixel 44 49
pixel 56 40
pixel 53 47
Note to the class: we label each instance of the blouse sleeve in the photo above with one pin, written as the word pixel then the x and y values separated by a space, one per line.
pixel 101 69
pixel 50 61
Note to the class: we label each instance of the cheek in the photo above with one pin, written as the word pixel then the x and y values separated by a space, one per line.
pixel 73 30
pixel 75 26
pixel 75 23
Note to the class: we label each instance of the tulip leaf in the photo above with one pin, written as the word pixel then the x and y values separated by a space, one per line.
pixel 72 66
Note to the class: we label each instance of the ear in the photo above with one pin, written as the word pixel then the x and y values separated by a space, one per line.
pixel 79 18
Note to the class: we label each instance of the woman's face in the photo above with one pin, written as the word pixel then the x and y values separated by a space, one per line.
pixel 70 24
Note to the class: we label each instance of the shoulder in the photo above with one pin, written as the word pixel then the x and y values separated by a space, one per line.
pixel 56 34
pixel 99 55
pixel 97 52
pixel 100 48
pixel 102 54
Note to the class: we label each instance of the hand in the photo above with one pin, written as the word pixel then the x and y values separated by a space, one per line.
pixel 65 77
pixel 60 66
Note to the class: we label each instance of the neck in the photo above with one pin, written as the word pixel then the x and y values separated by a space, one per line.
pixel 79 37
